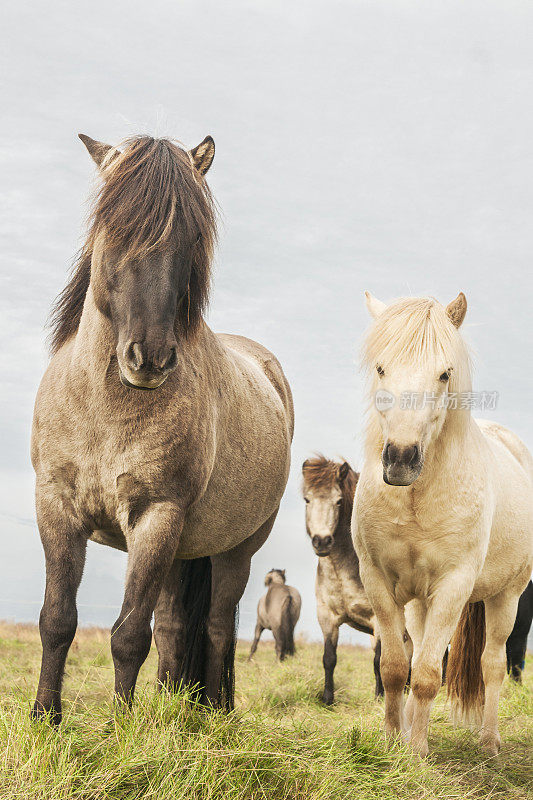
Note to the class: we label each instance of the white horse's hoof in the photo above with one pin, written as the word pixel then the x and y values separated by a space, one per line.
pixel 491 743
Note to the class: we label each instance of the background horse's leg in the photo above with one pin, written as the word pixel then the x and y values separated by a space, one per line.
pixel 330 631
pixel 394 665
pixel 156 539
pixel 500 615
pixel 229 576
pixel 379 691
pixel 258 631
pixel 64 548
pixel 169 629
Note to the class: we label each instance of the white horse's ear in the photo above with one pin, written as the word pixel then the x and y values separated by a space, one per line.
pixel 456 310
pixel 99 151
pixel 375 307
pixel 203 154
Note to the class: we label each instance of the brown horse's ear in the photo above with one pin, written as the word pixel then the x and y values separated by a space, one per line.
pixel 99 151
pixel 342 472
pixel 456 310
pixel 283 573
pixel 268 578
pixel 203 154
pixel 305 464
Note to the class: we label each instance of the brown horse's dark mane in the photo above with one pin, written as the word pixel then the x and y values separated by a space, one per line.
pixel 151 198
pixel 321 473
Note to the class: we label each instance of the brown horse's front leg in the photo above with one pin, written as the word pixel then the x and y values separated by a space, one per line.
pixel 169 629
pixel 329 661
pixel 64 547
pixel 156 539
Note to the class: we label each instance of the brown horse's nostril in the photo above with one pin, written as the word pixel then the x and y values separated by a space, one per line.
pixel 134 356
pixel 321 541
pixel 172 359
pixel 138 358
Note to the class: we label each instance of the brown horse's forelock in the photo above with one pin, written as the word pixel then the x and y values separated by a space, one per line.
pixel 322 473
pixel 151 198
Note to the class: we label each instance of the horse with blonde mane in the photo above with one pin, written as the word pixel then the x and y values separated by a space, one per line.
pixel 442 520
pixel 152 434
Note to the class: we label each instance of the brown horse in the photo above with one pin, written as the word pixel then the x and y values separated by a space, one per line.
pixel 278 611
pixel 328 489
pixel 152 434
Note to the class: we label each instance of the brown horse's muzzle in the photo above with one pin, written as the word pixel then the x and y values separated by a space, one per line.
pixel 144 367
pixel 322 545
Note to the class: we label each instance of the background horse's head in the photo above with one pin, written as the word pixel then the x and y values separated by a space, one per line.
pixel 147 255
pixel 419 364
pixel 328 490
pixel 275 576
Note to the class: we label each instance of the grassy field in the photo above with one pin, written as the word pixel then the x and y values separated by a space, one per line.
pixel 279 743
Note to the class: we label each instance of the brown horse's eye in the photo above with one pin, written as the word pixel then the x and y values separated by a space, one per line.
pixel 339 501
pixel 445 377
pixel 306 499
pixel 380 370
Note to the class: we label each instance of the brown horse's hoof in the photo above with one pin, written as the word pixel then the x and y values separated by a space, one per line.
pixel 327 698
pixel 51 715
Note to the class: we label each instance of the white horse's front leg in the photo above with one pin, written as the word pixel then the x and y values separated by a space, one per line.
pixel 442 615
pixel 394 663
pixel 500 614
pixel 415 620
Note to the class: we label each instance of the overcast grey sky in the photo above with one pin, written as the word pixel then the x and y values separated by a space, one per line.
pixel 380 144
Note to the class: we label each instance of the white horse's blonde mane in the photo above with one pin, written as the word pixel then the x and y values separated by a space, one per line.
pixel 416 331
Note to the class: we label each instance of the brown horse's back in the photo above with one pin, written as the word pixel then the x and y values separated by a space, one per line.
pixel 269 364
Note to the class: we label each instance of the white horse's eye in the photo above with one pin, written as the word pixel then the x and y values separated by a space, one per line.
pixel 445 377
pixel 306 499
pixel 380 370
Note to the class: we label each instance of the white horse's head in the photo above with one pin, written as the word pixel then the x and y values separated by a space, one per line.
pixel 419 366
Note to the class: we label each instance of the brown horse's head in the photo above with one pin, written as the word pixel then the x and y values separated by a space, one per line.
pixel 147 255
pixel 328 490
pixel 275 576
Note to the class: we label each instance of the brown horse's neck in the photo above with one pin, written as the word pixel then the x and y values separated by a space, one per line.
pixel 342 551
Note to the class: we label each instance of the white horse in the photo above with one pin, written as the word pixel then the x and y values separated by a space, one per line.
pixel 443 519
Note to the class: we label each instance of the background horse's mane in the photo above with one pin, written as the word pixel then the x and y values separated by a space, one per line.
pixel 151 198
pixel 321 473
pixel 416 331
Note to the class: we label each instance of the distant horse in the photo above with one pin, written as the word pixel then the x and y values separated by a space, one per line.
pixel 278 611
pixel 442 520
pixel 328 489
pixel 152 434
pixel 517 641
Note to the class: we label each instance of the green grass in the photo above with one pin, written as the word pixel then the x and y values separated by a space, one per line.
pixel 279 743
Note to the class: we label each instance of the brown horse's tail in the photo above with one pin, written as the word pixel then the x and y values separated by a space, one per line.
pixel 464 677
pixel 196 602
pixel 286 629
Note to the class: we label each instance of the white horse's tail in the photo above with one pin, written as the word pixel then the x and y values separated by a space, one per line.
pixel 466 689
